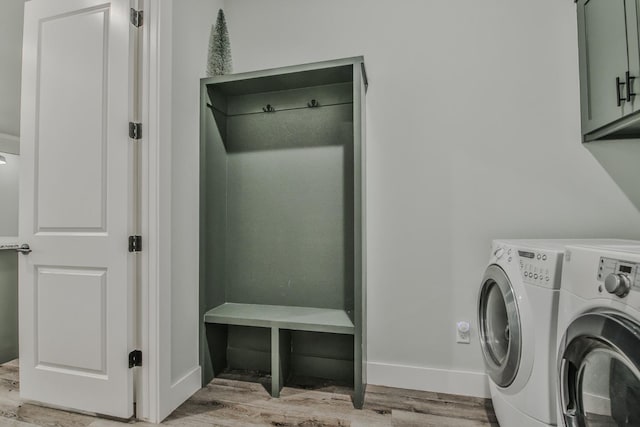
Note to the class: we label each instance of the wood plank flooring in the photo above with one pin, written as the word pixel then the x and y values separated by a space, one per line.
pixel 232 401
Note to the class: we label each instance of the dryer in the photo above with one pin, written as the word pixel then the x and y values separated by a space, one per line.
pixel 598 362
pixel 517 322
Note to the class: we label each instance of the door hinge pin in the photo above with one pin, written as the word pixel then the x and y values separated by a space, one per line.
pixel 136 17
pixel 135 243
pixel 135 358
pixel 135 130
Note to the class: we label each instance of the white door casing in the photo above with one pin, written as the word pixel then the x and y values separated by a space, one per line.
pixel 76 289
pixel 169 325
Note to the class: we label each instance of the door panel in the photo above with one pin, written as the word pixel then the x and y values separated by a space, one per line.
pixel 76 287
pixel 85 326
pixel 633 40
pixel 603 57
pixel 72 201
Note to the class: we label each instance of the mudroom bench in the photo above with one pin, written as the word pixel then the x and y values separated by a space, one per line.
pixel 281 320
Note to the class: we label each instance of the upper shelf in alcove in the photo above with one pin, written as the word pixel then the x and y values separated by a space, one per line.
pixel 287 78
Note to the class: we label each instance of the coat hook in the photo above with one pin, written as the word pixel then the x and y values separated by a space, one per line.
pixel 313 104
pixel 268 109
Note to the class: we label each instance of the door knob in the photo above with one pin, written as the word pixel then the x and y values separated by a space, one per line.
pixel 24 249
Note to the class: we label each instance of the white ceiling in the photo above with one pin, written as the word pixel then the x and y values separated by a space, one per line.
pixel 11 17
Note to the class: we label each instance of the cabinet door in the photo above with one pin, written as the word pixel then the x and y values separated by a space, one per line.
pixel 76 289
pixel 633 40
pixel 602 42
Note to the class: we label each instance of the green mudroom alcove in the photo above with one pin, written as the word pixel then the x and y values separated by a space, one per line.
pixel 282 247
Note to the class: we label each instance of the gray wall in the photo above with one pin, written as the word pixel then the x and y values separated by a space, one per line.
pixel 192 20
pixel 11 13
pixel 473 133
pixel 8 306
pixel 9 195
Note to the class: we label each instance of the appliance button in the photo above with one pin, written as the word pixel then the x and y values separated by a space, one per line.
pixel 526 274
pixel 538 256
pixel 544 257
pixel 535 276
pixel 499 252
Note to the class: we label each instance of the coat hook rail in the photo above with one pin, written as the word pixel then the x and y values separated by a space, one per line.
pixel 314 103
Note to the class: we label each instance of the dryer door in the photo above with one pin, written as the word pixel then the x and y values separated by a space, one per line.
pixel 600 371
pixel 499 324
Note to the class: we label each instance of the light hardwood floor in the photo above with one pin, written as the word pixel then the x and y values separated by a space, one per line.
pixel 228 401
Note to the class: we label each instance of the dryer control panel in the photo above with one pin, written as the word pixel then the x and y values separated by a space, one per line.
pixel 539 267
pixel 616 267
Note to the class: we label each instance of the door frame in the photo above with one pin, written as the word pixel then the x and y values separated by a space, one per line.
pixel 154 55
pixel 156 397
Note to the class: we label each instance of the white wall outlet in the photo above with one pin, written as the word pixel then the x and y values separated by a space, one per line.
pixel 463 332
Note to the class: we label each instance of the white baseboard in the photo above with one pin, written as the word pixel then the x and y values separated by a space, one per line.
pixel 181 390
pixel 464 383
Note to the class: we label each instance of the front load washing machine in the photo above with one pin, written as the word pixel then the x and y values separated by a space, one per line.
pixel 598 363
pixel 517 309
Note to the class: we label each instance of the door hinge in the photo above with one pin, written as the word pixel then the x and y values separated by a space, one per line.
pixel 135 243
pixel 135 358
pixel 135 130
pixel 136 17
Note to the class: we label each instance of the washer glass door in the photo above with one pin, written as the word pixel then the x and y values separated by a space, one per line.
pixel 600 372
pixel 499 322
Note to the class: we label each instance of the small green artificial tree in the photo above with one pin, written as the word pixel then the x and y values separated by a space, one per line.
pixel 219 58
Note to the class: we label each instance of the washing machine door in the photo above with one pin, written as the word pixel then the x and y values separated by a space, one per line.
pixel 499 324
pixel 600 371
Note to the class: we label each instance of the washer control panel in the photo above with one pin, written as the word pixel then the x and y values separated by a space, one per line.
pixel 537 267
pixel 618 275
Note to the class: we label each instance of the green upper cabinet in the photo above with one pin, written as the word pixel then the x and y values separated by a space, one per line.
pixel 609 64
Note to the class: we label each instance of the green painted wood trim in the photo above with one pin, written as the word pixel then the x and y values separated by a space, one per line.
pixel 360 283
pixel 356 324
pixel 205 354
pixel 276 376
pixel 8 306
pixel 284 317
pixel 216 340
pixel 285 356
pixel 356 60
pixel 582 68
pixel 605 54
pixel 633 49
pixel 625 128
pixel 280 356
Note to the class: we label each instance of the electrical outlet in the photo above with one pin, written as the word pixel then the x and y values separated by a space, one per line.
pixel 463 332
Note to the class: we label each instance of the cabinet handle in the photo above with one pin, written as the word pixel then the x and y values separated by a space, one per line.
pixel 618 84
pixel 630 80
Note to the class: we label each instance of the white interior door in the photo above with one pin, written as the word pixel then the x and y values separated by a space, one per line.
pixel 76 293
